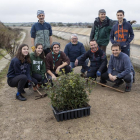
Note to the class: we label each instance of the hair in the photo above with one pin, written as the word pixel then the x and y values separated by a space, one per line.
pixel 74 35
pixel 20 56
pixel 116 45
pixel 42 55
pixel 120 11
pixel 93 40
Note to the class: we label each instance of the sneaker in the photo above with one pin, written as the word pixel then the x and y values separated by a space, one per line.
pixel 116 85
pixel 20 97
pixel 103 82
pixel 83 75
pixel 127 89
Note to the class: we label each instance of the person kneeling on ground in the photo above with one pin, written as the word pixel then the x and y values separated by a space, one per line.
pixel 19 71
pixel 74 50
pixel 98 60
pixel 56 61
pixel 38 68
pixel 119 69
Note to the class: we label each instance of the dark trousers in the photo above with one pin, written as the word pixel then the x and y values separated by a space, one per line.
pixel 66 68
pixel 126 50
pixel 37 78
pixel 93 70
pixel 46 51
pixel 128 78
pixel 19 81
pixel 103 48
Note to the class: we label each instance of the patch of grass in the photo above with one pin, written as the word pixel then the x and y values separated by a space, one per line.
pixel 3 73
pixel 3 52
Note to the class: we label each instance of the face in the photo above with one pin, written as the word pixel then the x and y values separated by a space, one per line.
pixel 56 49
pixel 41 18
pixel 120 16
pixel 102 16
pixel 25 50
pixel 74 40
pixel 116 51
pixel 93 46
pixel 39 49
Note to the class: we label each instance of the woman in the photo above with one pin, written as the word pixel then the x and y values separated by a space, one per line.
pixel 38 68
pixel 19 71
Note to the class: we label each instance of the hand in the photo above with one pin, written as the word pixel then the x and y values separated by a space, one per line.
pixel 76 62
pixel 114 78
pixel 125 46
pixel 57 70
pixel 110 77
pixel 98 73
pixel 33 48
pixel 53 77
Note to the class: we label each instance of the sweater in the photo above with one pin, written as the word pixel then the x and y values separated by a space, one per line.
pixel 41 33
pixel 98 60
pixel 49 60
pixel 73 51
pixel 37 65
pixel 121 64
pixel 124 35
pixel 18 68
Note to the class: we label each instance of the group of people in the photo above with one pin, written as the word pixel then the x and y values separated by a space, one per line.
pixel 47 60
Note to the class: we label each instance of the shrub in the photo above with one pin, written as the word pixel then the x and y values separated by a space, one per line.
pixel 69 92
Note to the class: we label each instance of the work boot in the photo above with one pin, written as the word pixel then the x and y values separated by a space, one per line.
pixel 117 84
pixel 20 97
pixel 127 89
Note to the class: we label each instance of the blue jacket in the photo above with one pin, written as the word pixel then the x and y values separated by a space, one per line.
pixel 74 51
pixel 123 38
pixel 98 60
pixel 41 33
pixel 18 68
pixel 121 64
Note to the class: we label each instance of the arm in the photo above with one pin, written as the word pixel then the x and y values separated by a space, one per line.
pixel 92 32
pixel 110 66
pixel 50 34
pixel 28 72
pixel 82 49
pixel 127 68
pixel 52 75
pixel 131 35
pixel 112 36
pixel 103 62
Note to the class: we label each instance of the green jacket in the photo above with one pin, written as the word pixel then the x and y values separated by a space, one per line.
pixel 101 31
pixel 37 65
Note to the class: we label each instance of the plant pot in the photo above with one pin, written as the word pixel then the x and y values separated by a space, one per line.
pixel 71 114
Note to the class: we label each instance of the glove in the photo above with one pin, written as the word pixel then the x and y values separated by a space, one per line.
pixel 98 73
pixel 33 48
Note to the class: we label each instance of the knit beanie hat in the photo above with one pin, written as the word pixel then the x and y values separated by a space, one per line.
pixel 40 12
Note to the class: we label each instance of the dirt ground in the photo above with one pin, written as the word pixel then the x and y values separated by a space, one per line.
pixel 114 115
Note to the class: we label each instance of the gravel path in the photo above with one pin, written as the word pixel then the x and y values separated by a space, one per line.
pixel 114 115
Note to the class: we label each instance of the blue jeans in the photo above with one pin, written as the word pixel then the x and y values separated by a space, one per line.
pixel 72 64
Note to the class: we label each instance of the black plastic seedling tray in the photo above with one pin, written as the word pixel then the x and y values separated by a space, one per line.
pixel 71 114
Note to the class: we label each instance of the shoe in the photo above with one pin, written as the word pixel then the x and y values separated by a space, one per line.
pixel 83 75
pixel 23 91
pixel 20 97
pixel 103 82
pixel 127 89
pixel 116 85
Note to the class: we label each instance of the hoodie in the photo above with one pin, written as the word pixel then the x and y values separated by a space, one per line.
pixel 123 34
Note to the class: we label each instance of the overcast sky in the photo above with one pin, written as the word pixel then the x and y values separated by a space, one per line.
pixel 66 10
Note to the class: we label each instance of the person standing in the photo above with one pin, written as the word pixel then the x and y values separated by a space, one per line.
pixel 123 33
pixel 41 32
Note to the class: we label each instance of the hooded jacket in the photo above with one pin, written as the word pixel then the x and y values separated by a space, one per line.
pixel 37 65
pixel 123 34
pixel 101 31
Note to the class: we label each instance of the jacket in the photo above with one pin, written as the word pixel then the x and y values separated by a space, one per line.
pixel 37 65
pixel 74 51
pixel 101 31
pixel 123 34
pixel 121 64
pixel 98 60
pixel 41 33
pixel 17 68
